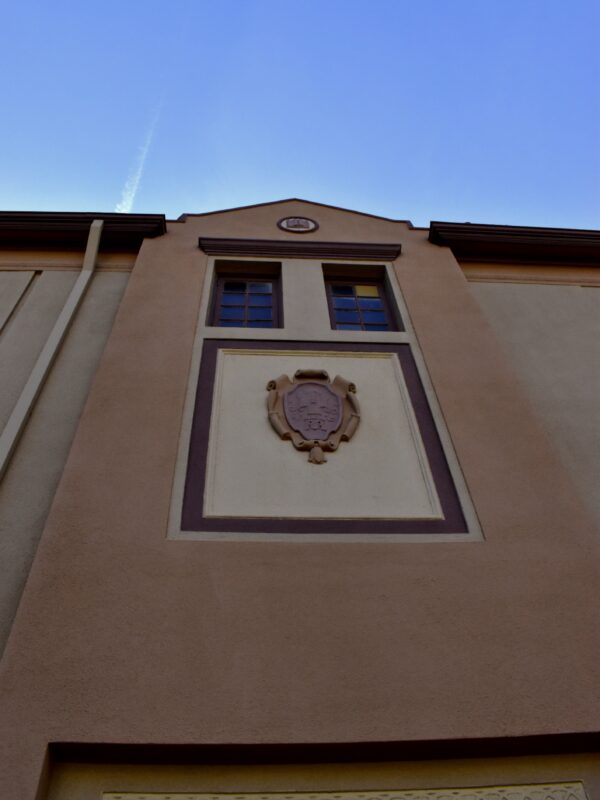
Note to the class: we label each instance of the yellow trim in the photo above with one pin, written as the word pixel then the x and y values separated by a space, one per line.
pixel 527 273
pixel 304 353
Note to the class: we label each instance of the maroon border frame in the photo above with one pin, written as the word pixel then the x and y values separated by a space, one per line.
pixel 193 518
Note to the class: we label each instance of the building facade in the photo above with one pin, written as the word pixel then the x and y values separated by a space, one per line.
pixel 296 499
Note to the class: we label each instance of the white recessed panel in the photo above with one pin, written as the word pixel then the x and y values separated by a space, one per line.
pixel 382 473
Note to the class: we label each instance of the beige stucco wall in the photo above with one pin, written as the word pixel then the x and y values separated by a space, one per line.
pixel 551 334
pixel 126 636
pixel 28 486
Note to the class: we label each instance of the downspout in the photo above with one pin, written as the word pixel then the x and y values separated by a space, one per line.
pixel 26 402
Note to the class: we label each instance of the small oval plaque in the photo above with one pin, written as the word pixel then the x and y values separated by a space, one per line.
pixel 298 224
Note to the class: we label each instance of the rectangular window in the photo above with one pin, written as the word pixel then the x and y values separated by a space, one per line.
pixel 248 299
pixel 359 306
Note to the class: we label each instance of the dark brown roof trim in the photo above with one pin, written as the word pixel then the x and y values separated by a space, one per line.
pixel 320 752
pixel 276 248
pixel 69 230
pixel 474 242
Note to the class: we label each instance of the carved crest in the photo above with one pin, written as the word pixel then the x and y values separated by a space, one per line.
pixel 316 414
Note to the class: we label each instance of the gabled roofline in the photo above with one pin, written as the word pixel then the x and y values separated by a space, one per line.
pixel 69 229
pixel 477 242
pixel 183 217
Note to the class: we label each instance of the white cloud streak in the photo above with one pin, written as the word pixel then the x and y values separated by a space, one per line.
pixel 132 183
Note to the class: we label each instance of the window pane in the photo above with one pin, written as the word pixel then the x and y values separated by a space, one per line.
pixel 232 313
pixel 359 306
pixel 246 301
pixel 370 304
pixel 262 288
pixel 342 290
pixel 374 317
pixel 233 299
pixel 347 316
pixel 259 299
pixel 367 291
pixel 344 302
pixel 259 313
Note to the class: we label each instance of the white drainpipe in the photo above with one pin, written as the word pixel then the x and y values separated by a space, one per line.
pixel 26 402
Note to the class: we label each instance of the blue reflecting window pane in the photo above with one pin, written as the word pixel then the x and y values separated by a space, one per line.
pixel 263 323
pixel 347 316
pixel 260 300
pixel 370 304
pixel 340 290
pixel 377 327
pixel 344 302
pixel 262 288
pixel 233 299
pixel 232 313
pixel 348 327
pixel 231 323
pixel 234 286
pixel 374 317
pixel 260 313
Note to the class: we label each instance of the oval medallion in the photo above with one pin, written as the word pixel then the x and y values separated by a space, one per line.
pixel 298 224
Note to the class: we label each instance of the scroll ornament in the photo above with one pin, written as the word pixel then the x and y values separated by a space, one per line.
pixel 313 412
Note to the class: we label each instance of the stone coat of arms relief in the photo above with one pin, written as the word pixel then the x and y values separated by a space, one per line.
pixel 313 412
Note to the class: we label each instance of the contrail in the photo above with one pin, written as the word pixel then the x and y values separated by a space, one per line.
pixel 132 183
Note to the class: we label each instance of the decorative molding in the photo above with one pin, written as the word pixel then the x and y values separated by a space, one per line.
pixel 279 248
pixel 474 242
pixel 531 791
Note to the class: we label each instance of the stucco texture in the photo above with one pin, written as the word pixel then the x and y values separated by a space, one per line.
pixel 125 636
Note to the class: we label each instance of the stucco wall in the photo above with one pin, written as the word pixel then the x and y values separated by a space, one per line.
pixel 552 337
pixel 28 486
pixel 126 636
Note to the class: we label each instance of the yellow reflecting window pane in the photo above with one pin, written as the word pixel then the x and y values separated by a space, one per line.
pixel 367 291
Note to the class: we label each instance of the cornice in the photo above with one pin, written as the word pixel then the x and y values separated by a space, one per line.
pixel 475 242
pixel 278 248
pixel 70 229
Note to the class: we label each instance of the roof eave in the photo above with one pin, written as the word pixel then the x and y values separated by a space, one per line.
pixel 476 242
pixel 69 230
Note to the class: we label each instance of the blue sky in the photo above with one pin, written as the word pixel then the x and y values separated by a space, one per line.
pixel 460 110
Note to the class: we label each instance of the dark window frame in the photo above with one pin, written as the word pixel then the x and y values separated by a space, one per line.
pixel 355 274
pixel 249 272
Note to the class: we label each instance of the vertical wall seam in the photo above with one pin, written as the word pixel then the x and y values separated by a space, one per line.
pixel 19 301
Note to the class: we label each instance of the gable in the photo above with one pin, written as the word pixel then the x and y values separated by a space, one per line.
pixel 260 221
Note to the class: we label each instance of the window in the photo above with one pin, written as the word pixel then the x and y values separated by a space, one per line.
pixel 359 306
pixel 247 301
